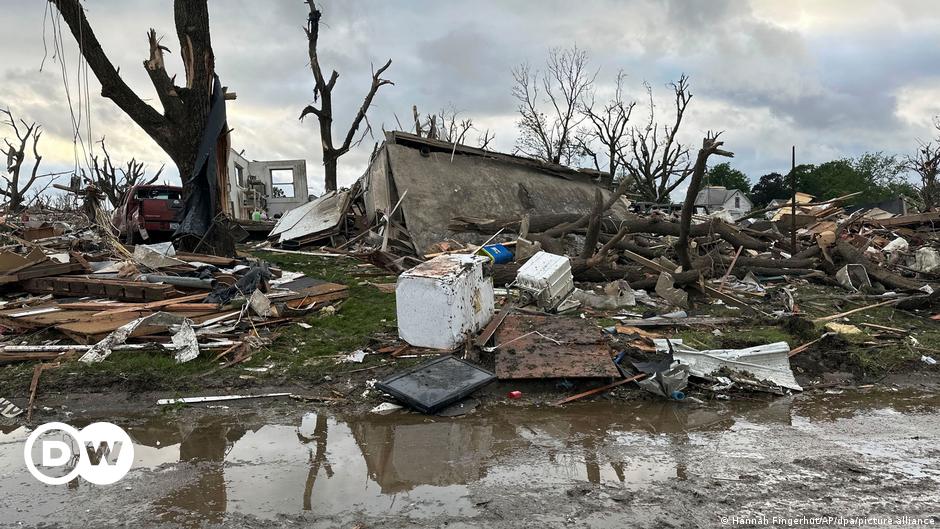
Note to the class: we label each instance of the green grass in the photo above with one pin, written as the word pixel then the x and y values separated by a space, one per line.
pixel 296 353
pixel 368 312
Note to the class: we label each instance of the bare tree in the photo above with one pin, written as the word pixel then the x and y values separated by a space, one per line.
pixel 17 182
pixel 448 125
pixel 179 129
pixel 610 128
pixel 656 160
pixel 115 182
pixel 323 90
pixel 926 163
pixel 550 134
pixel 452 127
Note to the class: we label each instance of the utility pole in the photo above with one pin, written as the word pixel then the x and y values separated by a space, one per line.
pixel 793 200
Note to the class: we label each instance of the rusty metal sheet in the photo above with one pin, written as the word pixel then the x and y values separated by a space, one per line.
pixel 533 346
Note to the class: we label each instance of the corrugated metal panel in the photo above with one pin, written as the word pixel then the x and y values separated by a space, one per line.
pixel 323 214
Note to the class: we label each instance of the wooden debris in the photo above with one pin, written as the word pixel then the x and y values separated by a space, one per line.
pixel 601 389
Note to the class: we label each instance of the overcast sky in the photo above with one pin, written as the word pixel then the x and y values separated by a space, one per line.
pixel 835 78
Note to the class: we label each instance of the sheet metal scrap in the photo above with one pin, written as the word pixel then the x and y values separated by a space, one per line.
pixel 532 346
pixel 758 367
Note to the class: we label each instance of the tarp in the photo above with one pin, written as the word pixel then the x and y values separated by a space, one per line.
pixel 203 184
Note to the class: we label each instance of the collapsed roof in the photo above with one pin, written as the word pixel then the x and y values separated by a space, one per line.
pixel 437 181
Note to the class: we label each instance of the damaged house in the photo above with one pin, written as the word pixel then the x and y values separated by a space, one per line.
pixel 275 186
pixel 416 186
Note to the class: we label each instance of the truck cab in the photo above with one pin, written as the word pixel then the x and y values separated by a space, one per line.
pixel 149 212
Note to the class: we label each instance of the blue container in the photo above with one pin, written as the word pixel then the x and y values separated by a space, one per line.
pixel 499 253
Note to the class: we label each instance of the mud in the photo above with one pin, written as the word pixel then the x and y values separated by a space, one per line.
pixel 600 464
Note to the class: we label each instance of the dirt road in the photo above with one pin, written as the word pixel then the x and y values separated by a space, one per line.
pixel 643 464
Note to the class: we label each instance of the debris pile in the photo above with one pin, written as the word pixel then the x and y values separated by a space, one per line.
pixel 495 252
pixel 75 291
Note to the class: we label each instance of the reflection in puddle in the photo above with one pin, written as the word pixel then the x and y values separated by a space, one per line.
pixel 416 466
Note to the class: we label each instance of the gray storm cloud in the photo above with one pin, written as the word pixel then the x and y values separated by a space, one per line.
pixel 835 79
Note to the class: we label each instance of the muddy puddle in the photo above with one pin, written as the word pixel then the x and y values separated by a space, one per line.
pixel 196 467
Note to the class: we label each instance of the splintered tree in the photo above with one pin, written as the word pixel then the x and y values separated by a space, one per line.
pixel 17 182
pixel 656 160
pixel 926 164
pixel 549 113
pixel 115 182
pixel 323 91
pixel 710 146
pixel 179 129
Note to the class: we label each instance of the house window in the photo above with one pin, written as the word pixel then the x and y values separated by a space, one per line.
pixel 240 175
pixel 737 202
pixel 282 183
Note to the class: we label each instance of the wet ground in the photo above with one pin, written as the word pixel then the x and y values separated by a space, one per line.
pixel 871 453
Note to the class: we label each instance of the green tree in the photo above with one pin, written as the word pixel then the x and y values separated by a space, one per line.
pixel 726 176
pixel 769 187
pixel 875 175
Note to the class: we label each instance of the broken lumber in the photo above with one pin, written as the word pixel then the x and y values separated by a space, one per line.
pixel 601 389
pixel 104 288
pixel 854 311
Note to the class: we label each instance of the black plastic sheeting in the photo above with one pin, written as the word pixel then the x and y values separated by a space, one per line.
pixel 253 279
pixel 203 184
pixel 437 383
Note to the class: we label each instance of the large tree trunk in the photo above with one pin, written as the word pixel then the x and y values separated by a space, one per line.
pixel 329 173
pixel 179 129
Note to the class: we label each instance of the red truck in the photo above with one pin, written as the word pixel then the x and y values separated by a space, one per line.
pixel 154 210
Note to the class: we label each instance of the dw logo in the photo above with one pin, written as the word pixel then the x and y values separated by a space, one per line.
pixel 101 452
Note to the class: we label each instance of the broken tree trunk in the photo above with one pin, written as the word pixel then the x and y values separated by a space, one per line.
pixel 710 145
pixel 654 225
pixel 594 226
pixel 179 129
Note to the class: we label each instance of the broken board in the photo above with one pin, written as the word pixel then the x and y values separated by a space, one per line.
pixel 534 346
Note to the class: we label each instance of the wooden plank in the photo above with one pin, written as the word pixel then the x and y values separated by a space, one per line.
pixel 491 327
pixel 906 220
pixel 155 304
pixel 551 347
pixel 49 269
pixel 105 288
pixel 601 389
pixel 824 319
pixel 678 322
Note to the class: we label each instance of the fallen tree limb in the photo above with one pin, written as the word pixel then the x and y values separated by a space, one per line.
pixel 656 225
pixel 824 319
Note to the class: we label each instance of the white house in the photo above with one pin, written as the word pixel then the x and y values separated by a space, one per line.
pixel 275 186
pixel 718 198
